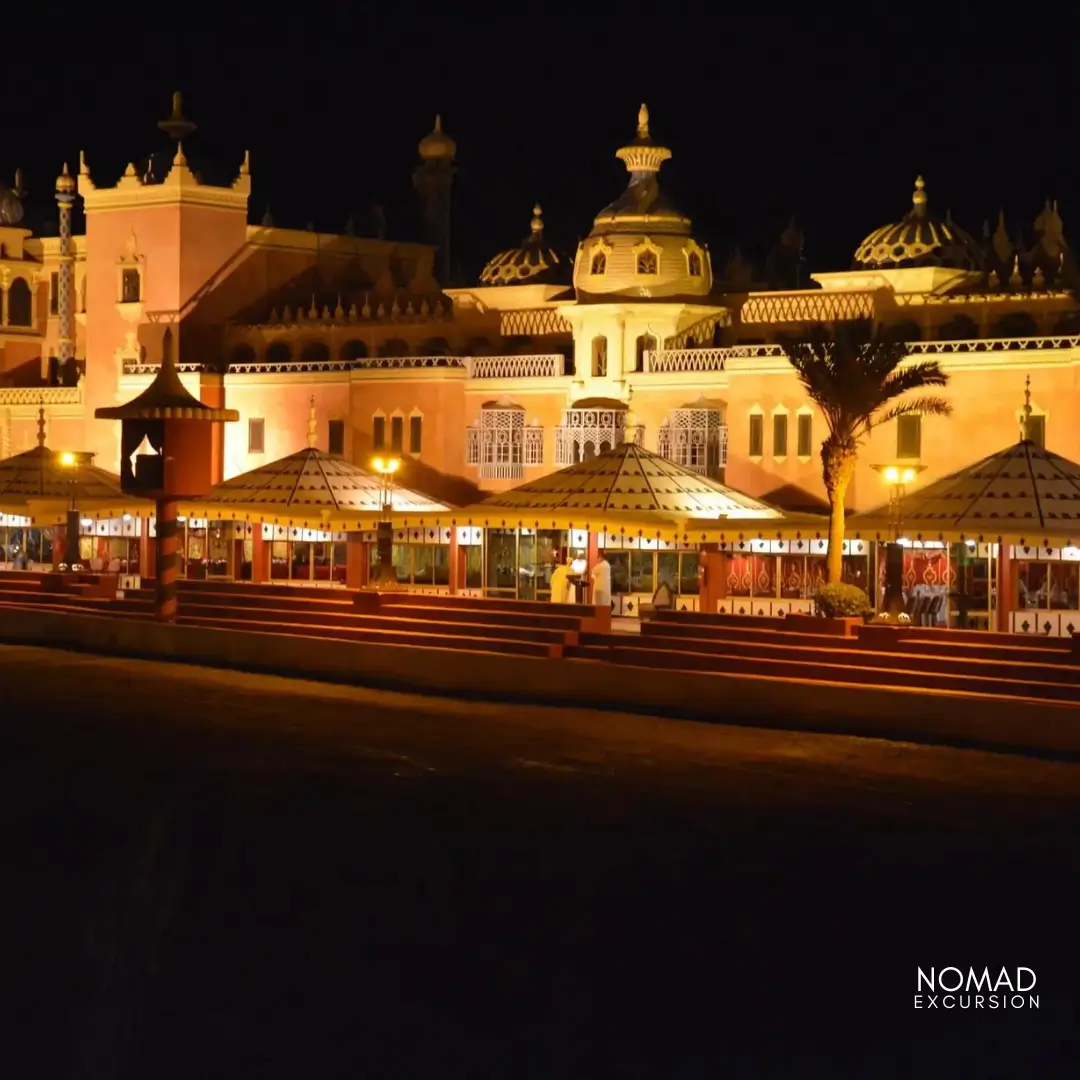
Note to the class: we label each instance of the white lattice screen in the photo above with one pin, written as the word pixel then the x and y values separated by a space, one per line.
pixel 695 439
pixel 586 432
pixel 502 445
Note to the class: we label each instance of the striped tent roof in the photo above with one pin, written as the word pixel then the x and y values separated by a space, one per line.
pixel 630 478
pixel 311 480
pixel 41 474
pixel 1022 492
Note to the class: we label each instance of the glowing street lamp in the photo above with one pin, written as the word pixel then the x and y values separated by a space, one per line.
pixel 385 576
pixel 70 461
pixel 897 476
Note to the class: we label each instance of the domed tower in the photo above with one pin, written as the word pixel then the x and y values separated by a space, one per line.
pixel 641 246
pixel 532 262
pixel 920 253
pixel 433 179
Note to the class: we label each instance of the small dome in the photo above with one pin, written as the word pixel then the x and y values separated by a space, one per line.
pixel 918 240
pixel 437 144
pixel 531 263
pixel 641 245
pixel 65 182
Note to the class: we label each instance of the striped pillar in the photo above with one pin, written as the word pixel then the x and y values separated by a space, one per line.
pixel 66 283
pixel 167 560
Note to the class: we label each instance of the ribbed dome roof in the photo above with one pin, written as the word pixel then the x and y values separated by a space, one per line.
pixel 918 240
pixel 312 480
pixel 532 262
pixel 630 478
pixel 41 473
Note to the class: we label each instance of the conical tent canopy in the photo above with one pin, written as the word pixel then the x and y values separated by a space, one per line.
pixel 39 484
pixel 1023 494
pixel 627 479
pixel 307 486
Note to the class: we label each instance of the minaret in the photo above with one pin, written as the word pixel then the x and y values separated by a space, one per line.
pixel 433 179
pixel 65 199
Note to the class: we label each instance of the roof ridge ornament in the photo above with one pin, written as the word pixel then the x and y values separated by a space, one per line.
pixel 642 155
pixel 537 223
pixel 312 425
pixel 41 424
pixel 918 198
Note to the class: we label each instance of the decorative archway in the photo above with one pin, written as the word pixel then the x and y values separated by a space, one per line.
pixel 315 352
pixel 242 353
pixel 279 352
pixel 20 305
pixel 353 350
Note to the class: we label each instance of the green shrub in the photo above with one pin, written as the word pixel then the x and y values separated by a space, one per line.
pixel 838 600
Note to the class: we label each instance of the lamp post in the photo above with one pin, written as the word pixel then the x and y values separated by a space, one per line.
pixel 70 461
pixel 897 477
pixel 385 577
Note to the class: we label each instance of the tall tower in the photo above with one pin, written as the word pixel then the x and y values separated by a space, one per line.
pixel 65 199
pixel 433 179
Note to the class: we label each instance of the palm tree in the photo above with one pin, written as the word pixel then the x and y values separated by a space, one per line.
pixel 857 377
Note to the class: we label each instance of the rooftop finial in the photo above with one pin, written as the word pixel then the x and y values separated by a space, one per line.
pixel 537 223
pixel 312 425
pixel 41 425
pixel 918 199
pixel 438 123
pixel 1025 413
pixel 643 122
pixel 177 126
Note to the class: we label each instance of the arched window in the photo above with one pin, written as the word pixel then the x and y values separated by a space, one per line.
pixel 1016 325
pixel 279 353
pixel 353 350
pixel 647 262
pixel 315 352
pixel 130 285
pixel 242 354
pixel 693 264
pixel 394 347
pixel 20 306
pixel 518 344
pixel 599 356
pixel 436 346
pixel 645 343
pixel 599 264
pixel 958 328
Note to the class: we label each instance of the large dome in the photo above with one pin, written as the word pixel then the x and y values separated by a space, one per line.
pixel 918 240
pixel 641 246
pixel 532 262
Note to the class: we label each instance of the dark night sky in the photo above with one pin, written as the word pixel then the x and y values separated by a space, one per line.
pixel 829 115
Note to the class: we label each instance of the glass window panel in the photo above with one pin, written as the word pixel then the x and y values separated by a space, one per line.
pixel 689 583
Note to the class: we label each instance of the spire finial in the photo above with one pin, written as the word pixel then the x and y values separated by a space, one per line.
pixel 643 122
pixel 1025 413
pixel 918 199
pixel 438 122
pixel 178 125
pixel 41 424
pixel 537 223
pixel 312 425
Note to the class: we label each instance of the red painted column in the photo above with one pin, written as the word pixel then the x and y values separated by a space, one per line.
pixel 1007 590
pixel 260 556
pixel 455 563
pixel 356 561
pixel 167 568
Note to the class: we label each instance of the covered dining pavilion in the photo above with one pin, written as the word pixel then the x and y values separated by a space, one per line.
pixel 657 522
pixel 43 492
pixel 308 518
pixel 995 545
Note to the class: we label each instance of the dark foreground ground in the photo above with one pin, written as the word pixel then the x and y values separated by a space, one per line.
pixel 215 875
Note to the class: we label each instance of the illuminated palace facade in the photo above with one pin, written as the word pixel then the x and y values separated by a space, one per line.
pixel 538 363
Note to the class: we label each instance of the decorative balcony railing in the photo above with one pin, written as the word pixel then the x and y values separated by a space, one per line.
pixel 525 366
pixel 587 432
pixel 40 395
pixel 671 360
